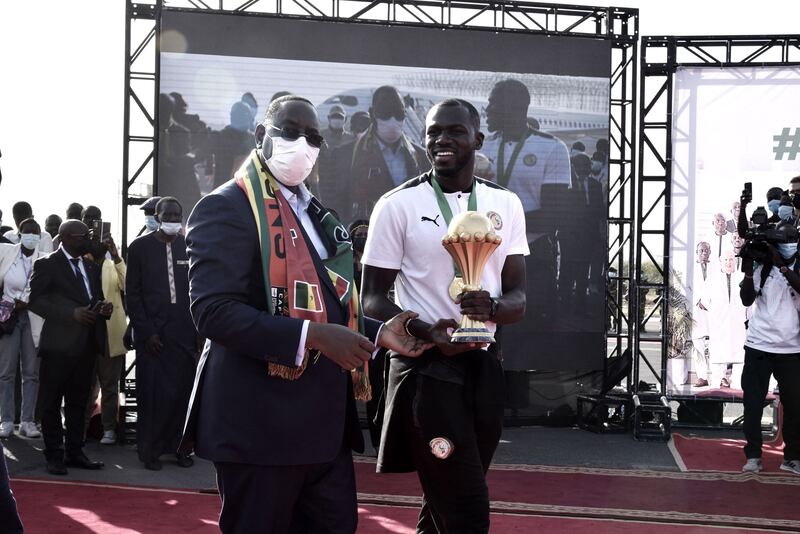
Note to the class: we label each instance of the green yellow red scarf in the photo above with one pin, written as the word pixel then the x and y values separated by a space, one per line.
pixel 291 280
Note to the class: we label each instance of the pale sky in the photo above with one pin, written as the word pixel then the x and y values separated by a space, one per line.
pixel 61 89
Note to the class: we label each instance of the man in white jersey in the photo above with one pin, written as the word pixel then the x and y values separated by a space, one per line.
pixel 443 415
pixel 536 166
pixel 772 347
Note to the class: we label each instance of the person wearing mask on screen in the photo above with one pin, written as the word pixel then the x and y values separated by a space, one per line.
pixel 273 405
pixel 772 347
pixel 21 331
pixel 335 134
pixel 384 157
pixel 22 211
pixel 330 179
pixel 157 296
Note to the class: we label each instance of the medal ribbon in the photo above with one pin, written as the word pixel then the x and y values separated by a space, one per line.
pixel 503 174
pixel 444 207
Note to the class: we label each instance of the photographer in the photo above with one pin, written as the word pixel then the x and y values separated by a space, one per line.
pixel 773 340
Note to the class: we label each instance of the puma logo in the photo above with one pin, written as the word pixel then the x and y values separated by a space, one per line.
pixel 429 219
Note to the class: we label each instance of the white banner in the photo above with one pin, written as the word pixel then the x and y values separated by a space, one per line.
pixel 730 126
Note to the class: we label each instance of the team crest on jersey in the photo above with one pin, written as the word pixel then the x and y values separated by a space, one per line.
pixel 497 221
pixel 529 160
pixel 441 447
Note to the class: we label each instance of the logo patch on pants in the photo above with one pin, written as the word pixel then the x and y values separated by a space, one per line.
pixel 441 447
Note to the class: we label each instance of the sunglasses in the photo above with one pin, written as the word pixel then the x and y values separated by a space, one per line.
pixel 292 134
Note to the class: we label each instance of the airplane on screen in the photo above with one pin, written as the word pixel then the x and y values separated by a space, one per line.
pixel 569 126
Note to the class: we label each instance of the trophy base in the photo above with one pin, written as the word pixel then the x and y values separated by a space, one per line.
pixel 472 335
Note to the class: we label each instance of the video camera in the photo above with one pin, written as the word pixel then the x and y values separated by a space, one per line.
pixel 760 233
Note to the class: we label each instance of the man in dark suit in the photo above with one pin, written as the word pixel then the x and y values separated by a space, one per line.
pixel 281 447
pixel 581 236
pixel 66 291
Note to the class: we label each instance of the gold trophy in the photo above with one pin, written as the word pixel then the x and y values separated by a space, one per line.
pixel 470 240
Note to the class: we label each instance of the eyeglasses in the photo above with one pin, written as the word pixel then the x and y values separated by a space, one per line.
pixel 292 134
pixel 385 115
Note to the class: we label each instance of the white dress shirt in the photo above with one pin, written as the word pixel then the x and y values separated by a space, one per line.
pixel 299 203
pixel 84 275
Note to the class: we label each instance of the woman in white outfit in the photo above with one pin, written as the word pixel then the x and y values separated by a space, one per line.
pixel 18 343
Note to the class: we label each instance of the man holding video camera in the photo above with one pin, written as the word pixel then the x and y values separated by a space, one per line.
pixel 772 284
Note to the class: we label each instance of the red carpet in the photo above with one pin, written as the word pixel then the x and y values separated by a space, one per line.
pixel 708 498
pixel 701 454
pixel 727 455
pixel 57 507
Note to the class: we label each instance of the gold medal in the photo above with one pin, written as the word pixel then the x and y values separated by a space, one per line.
pixel 456 288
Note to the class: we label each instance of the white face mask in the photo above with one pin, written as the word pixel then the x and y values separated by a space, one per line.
pixel 151 223
pixel 291 161
pixel 171 228
pixel 336 124
pixel 30 241
pixel 389 130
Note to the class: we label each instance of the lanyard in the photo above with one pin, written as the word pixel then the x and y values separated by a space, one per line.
pixel 444 207
pixel 27 270
pixel 503 174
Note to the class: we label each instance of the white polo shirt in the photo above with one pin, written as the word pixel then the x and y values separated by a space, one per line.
pixel 405 234
pixel 543 159
pixel 774 324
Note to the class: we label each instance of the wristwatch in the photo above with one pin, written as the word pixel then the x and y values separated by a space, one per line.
pixel 493 309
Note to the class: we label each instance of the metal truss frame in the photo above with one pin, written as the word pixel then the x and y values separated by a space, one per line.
pixel 660 58
pixel 619 26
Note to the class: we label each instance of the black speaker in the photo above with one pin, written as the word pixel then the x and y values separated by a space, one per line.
pixel 697 412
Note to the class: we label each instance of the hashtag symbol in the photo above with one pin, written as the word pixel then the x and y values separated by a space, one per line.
pixel 787 144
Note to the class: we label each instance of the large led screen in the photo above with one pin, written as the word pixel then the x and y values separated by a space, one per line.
pixel 730 126
pixel 373 86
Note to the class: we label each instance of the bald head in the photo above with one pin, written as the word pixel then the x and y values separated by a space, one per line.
pixel 74 236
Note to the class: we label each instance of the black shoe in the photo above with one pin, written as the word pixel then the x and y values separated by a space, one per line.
pixel 184 460
pixel 153 465
pixel 83 461
pixel 56 467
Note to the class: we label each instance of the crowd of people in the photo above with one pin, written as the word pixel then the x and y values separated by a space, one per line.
pixel 563 189
pixel 291 309
pixel 71 309
pixel 746 329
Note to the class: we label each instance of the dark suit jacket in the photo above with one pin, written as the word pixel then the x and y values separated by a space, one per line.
pixel 55 293
pixel 581 233
pixel 370 175
pixel 237 412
